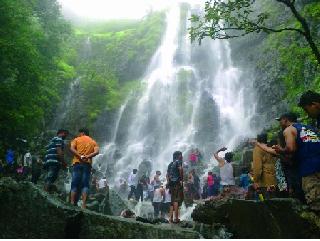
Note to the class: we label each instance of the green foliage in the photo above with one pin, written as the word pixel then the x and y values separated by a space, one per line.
pixel 112 57
pixel 227 19
pixel 41 54
pixel 299 69
pixel 234 18
pixel 32 34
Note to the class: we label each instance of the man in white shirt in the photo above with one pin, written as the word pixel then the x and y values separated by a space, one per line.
pixel 102 184
pixel 133 182
pixel 27 159
pixel 226 169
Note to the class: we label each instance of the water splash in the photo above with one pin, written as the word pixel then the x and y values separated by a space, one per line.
pixel 193 97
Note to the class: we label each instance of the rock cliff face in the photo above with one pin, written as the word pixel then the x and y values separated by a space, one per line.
pixel 28 212
pixel 276 218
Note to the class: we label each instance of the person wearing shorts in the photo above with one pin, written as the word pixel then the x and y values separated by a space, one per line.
pixel 175 178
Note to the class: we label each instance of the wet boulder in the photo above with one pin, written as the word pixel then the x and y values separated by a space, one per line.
pixel 275 218
pixel 29 212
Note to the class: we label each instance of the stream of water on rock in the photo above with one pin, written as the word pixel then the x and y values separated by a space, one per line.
pixel 192 97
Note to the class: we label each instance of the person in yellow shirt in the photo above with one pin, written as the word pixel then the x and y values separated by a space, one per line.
pixel 84 149
pixel 263 166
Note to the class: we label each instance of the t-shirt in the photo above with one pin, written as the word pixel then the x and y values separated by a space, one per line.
pixel 10 157
pixel 133 179
pixel 308 151
pixel 244 180
pixel 193 157
pixel 27 159
pixel 210 180
pixel 173 170
pixel 85 146
pixel 102 183
pixel 51 153
pixel 226 174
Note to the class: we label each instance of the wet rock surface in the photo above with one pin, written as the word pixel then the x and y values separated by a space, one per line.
pixel 29 212
pixel 117 204
pixel 275 218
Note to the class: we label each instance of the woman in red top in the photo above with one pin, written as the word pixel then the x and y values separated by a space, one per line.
pixel 210 184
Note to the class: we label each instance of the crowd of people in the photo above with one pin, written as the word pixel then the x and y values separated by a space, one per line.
pixel 286 166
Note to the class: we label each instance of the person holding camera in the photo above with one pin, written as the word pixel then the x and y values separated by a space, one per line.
pixel 84 149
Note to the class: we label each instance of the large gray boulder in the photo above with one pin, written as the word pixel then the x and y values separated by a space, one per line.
pixel 26 211
pixel 275 218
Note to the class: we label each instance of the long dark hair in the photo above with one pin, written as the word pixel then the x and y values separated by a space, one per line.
pixel 228 156
pixel 263 138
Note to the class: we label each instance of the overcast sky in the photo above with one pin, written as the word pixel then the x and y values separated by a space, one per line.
pixel 114 9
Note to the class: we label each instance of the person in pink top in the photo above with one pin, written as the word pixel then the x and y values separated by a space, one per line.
pixel 193 157
pixel 210 184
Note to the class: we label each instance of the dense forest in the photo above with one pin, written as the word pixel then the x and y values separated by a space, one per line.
pixel 42 54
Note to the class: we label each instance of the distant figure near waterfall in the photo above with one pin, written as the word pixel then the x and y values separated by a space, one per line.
pixel 133 182
pixel 84 149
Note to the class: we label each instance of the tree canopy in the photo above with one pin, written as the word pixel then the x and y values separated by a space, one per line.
pixel 235 18
pixel 32 70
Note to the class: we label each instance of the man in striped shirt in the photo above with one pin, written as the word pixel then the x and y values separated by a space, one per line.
pixel 54 158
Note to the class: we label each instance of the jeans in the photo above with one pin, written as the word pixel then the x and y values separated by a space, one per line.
pixel 52 173
pixel 156 208
pixel 210 191
pixel 81 177
pixel 132 192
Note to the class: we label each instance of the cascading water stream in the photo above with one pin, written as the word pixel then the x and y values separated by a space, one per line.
pixel 182 105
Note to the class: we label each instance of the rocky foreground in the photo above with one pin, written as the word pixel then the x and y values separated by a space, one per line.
pixel 26 211
pixel 275 218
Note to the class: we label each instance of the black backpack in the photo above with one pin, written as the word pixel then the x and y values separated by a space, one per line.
pixel 173 171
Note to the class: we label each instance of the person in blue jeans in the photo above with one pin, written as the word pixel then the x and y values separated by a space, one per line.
pixel 84 149
pixel 54 159
pixel 244 179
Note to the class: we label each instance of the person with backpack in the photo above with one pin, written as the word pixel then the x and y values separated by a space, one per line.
pixel 175 180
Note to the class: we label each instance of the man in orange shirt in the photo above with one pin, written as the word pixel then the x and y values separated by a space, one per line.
pixel 84 149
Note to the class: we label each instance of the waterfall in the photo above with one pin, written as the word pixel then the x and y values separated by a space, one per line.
pixel 192 96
